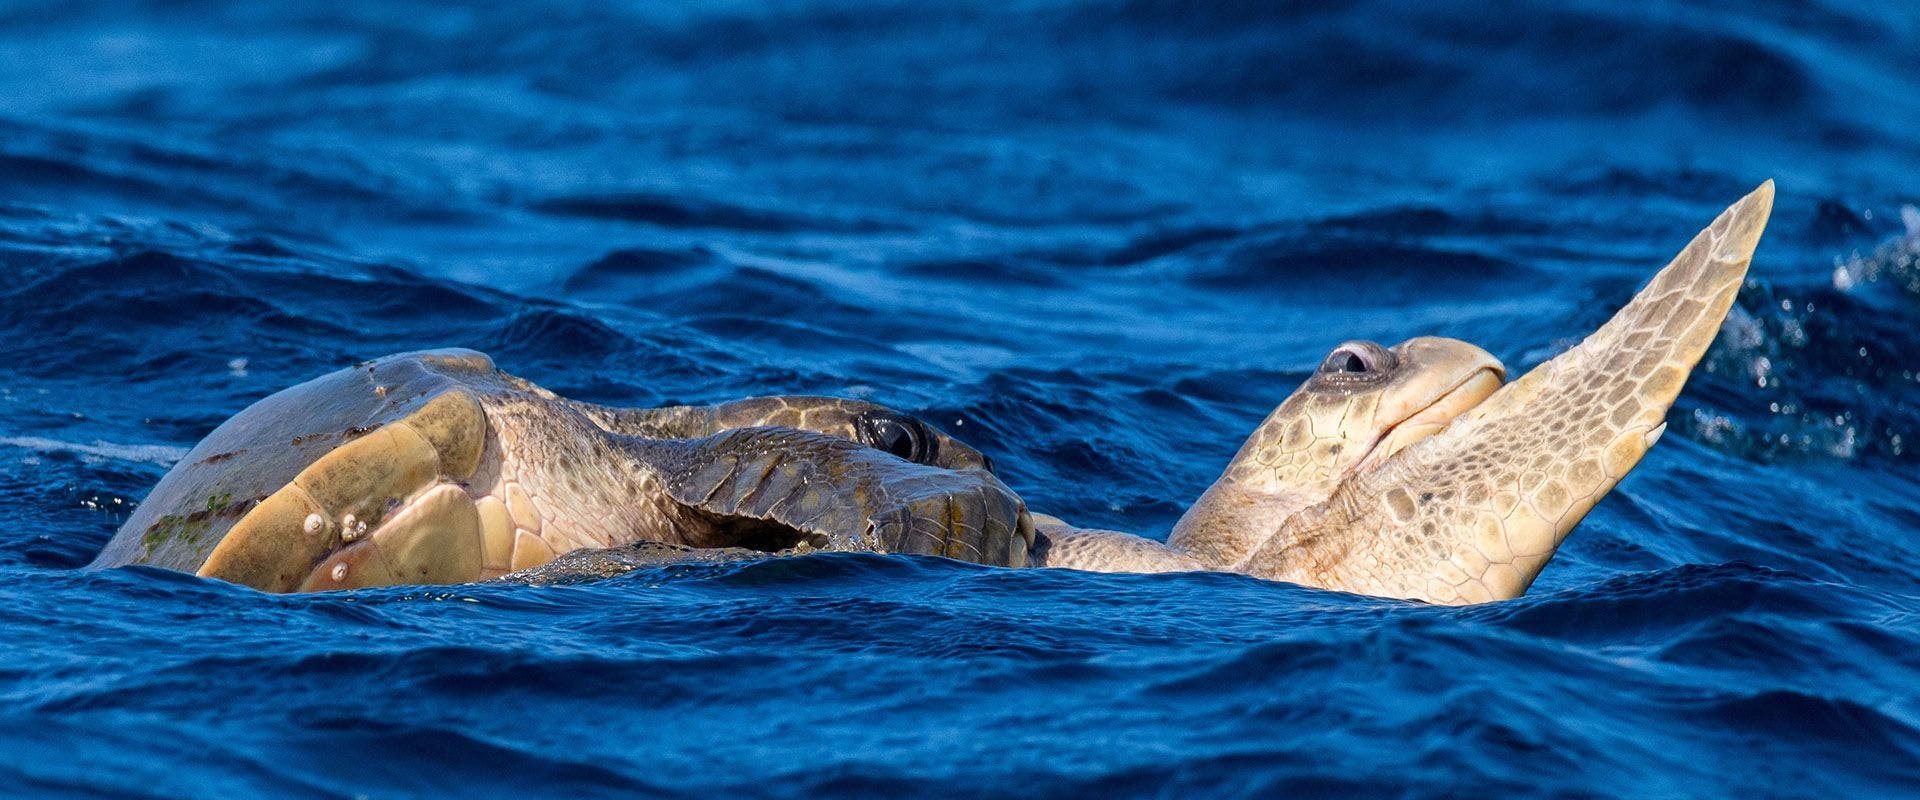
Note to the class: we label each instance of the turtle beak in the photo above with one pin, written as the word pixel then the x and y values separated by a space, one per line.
pixel 1451 378
pixel 1435 418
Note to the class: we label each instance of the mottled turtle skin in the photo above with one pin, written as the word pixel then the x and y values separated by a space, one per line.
pixel 437 467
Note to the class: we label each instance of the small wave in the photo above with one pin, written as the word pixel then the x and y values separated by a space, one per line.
pixel 1156 244
pixel 676 211
pixel 1896 262
pixel 547 332
pixel 1821 371
pixel 136 453
pixel 975 270
pixel 1319 264
pixel 1392 60
pixel 1837 728
pixel 640 268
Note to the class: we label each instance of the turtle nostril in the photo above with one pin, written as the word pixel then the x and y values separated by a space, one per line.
pixel 1354 363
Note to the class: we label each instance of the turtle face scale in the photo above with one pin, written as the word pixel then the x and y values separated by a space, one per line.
pixel 1363 404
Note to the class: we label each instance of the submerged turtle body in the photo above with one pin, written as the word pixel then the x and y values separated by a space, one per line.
pixel 436 467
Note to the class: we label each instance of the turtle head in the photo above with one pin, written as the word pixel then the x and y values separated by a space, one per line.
pixel 893 432
pixel 1362 405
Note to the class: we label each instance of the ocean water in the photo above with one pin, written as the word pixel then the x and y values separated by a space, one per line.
pixel 1099 241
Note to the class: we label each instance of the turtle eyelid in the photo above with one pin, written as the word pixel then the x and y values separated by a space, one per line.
pixel 899 435
pixel 1359 358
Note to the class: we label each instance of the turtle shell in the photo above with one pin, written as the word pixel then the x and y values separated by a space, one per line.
pixel 247 461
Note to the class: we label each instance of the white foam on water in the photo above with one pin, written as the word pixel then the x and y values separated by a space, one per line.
pixel 138 453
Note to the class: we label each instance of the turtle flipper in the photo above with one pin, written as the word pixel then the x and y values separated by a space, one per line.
pixel 601 563
pixel 1474 512
pixel 772 488
pixel 859 421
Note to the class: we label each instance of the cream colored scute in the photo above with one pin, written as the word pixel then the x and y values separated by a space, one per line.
pixel 434 539
pixel 240 465
pixel 496 534
pixel 454 425
pixel 272 548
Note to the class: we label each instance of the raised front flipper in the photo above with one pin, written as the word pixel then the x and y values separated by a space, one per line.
pixel 1475 512
pixel 775 488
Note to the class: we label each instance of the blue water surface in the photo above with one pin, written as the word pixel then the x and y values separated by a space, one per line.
pixel 1097 240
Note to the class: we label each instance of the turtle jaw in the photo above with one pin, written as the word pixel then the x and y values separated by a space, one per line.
pixel 1469 378
pixel 1336 426
pixel 963 514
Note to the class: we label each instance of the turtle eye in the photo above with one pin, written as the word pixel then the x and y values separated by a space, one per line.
pixel 898 435
pixel 895 438
pixel 1358 360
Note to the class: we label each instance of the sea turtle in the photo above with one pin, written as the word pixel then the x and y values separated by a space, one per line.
pixel 1404 472
pixel 436 467
pixel 1410 471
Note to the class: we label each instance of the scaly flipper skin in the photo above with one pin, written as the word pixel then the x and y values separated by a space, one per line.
pixel 1474 512
pixel 876 426
pixel 838 495
pixel 583 566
